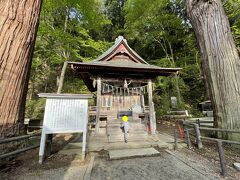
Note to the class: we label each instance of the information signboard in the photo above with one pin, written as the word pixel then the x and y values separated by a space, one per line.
pixel 64 113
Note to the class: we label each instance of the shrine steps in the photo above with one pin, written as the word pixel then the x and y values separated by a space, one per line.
pixel 117 130
pixel 137 131
pixel 131 137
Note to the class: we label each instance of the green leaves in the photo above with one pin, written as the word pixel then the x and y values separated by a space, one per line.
pixel 161 34
pixel 232 8
pixel 65 33
pixel 158 30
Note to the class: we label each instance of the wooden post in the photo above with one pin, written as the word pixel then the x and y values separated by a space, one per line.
pixel 60 85
pixel 142 101
pixel 178 90
pixel 42 147
pixel 188 138
pixel 48 144
pixel 222 159
pixel 99 102
pixel 198 122
pixel 151 108
pixel 175 139
pixel 84 140
pixel 198 138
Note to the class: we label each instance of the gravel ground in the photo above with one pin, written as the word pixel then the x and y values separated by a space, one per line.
pixel 66 173
pixel 206 165
pixel 182 164
pixel 57 167
pixel 165 166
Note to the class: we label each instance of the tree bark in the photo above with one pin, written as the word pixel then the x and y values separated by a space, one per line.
pixel 221 63
pixel 60 84
pixel 18 27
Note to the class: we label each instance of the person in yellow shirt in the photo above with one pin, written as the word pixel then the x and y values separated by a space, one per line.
pixel 125 127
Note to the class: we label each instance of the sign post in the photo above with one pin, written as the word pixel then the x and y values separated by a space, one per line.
pixel 64 113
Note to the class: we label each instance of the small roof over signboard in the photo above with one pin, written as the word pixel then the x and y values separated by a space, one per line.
pixel 119 60
pixel 65 96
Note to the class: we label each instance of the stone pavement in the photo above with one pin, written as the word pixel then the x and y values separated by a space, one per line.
pixel 129 153
pixel 96 144
pixel 162 141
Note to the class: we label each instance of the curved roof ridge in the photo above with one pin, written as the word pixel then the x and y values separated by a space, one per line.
pixel 118 41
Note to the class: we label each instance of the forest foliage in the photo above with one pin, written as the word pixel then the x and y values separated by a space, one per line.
pixel 158 30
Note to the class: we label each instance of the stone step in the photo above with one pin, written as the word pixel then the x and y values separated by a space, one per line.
pixel 102 123
pixel 137 127
pixel 136 135
pixel 132 125
pixel 128 153
pixel 130 145
pixel 131 137
pixel 129 117
pixel 131 132
pixel 109 118
pixel 118 129
pixel 119 122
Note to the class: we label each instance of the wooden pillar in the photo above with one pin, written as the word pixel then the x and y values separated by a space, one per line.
pixel 152 119
pixel 142 101
pixel 99 102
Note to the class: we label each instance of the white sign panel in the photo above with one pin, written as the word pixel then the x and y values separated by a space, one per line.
pixel 64 113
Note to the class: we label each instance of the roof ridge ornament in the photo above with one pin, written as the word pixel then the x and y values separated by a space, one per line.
pixel 119 38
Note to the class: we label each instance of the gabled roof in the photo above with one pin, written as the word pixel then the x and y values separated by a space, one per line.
pixel 119 61
pixel 120 46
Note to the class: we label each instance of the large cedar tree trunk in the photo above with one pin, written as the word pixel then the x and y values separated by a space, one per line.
pixel 221 63
pixel 18 26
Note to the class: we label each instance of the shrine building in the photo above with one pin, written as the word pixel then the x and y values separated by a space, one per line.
pixel 123 83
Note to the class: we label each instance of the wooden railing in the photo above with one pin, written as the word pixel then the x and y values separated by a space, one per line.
pixel 18 138
pixel 92 108
pixel 196 127
pixel 201 123
pixel 146 108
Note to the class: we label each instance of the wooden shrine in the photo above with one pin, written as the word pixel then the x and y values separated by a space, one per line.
pixel 123 82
